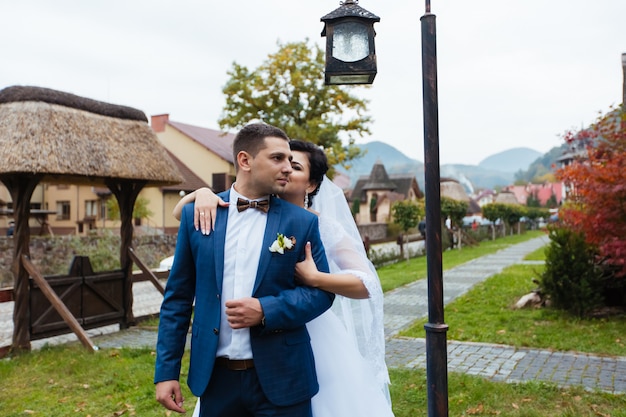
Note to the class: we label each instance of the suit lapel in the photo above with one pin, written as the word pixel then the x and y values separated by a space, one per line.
pixel 271 231
pixel 219 240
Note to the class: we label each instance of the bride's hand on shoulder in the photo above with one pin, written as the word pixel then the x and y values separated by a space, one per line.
pixel 206 209
pixel 306 271
pixel 341 283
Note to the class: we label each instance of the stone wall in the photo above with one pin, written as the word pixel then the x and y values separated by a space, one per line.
pixel 53 255
pixel 375 231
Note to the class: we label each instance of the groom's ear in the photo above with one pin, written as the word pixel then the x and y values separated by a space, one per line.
pixel 244 160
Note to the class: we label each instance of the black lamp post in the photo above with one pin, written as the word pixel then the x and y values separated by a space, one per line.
pixel 351 59
pixel 350 51
pixel 436 329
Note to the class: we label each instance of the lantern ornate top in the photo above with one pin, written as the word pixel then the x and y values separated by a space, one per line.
pixel 349 8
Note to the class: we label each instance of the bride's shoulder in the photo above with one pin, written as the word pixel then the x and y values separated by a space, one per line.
pixel 330 230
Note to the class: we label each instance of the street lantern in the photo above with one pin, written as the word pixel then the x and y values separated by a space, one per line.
pixel 350 52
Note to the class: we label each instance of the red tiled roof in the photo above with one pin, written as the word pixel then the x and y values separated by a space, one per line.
pixel 543 191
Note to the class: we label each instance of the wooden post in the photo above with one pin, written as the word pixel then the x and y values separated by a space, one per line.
pixel 153 279
pixel 21 187
pixel 126 193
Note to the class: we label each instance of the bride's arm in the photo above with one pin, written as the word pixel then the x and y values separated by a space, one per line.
pixel 205 208
pixel 178 209
pixel 346 284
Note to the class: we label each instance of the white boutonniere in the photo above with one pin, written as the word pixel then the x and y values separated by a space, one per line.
pixel 282 243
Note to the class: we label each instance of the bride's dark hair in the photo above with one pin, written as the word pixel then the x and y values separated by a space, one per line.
pixel 317 161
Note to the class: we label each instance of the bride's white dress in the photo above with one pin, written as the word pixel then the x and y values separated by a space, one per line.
pixel 347 340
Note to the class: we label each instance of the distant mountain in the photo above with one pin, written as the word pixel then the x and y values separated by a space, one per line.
pixel 395 162
pixel 474 177
pixel 471 176
pixel 393 159
pixel 511 160
pixel 542 165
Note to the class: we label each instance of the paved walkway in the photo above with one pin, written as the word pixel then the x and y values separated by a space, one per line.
pixel 495 362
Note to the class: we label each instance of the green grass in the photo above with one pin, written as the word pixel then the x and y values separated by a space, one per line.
pixel 474 396
pixel 486 314
pixel 538 255
pixel 68 381
pixel 405 272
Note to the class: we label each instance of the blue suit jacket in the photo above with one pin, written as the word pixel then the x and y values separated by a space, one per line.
pixel 282 352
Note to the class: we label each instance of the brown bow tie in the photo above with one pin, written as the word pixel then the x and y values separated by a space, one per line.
pixel 263 205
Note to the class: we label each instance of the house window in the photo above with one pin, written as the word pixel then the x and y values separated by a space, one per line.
pixel 91 208
pixel 103 210
pixel 221 182
pixel 63 210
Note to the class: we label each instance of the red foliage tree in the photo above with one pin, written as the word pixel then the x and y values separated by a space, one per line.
pixel 597 180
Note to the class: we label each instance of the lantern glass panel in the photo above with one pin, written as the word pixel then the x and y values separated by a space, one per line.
pixel 350 42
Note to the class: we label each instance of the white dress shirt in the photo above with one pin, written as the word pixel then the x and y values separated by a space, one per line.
pixel 242 251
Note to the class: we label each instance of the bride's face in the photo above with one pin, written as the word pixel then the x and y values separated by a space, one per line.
pixel 299 183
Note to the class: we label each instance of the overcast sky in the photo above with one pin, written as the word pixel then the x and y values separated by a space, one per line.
pixel 511 73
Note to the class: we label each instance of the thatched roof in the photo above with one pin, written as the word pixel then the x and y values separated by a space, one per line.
pixel 506 197
pixel 453 189
pixel 73 139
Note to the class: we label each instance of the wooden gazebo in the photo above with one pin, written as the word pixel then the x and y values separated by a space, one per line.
pixel 53 136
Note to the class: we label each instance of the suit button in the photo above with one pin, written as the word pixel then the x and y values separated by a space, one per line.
pixel 216 331
pixel 218 296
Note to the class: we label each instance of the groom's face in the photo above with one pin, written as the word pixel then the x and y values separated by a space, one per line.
pixel 271 167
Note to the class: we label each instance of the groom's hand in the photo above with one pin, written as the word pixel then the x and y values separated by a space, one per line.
pixel 244 312
pixel 168 393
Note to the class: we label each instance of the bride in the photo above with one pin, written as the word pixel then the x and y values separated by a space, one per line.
pixel 348 340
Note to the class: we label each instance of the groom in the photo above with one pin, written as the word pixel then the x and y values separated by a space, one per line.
pixel 250 354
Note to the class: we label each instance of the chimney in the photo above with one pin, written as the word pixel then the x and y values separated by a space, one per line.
pixel 624 82
pixel 159 121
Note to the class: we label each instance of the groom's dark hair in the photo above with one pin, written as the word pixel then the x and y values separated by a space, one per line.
pixel 251 138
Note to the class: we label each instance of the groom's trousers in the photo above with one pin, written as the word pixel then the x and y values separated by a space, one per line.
pixel 237 393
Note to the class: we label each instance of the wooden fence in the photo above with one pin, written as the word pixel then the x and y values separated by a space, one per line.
pixel 72 325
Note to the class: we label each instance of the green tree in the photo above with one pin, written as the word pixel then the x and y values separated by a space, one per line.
pixel 407 215
pixel 373 207
pixel 456 210
pixel 508 214
pixel 356 207
pixel 533 200
pixel 494 212
pixel 512 215
pixel 534 213
pixel 287 90
pixel 551 202
pixel 571 279
pixel 140 209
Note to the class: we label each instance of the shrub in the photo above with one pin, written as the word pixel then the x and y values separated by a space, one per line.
pixel 572 279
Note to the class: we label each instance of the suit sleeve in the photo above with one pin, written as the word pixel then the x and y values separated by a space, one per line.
pixel 176 308
pixel 297 306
